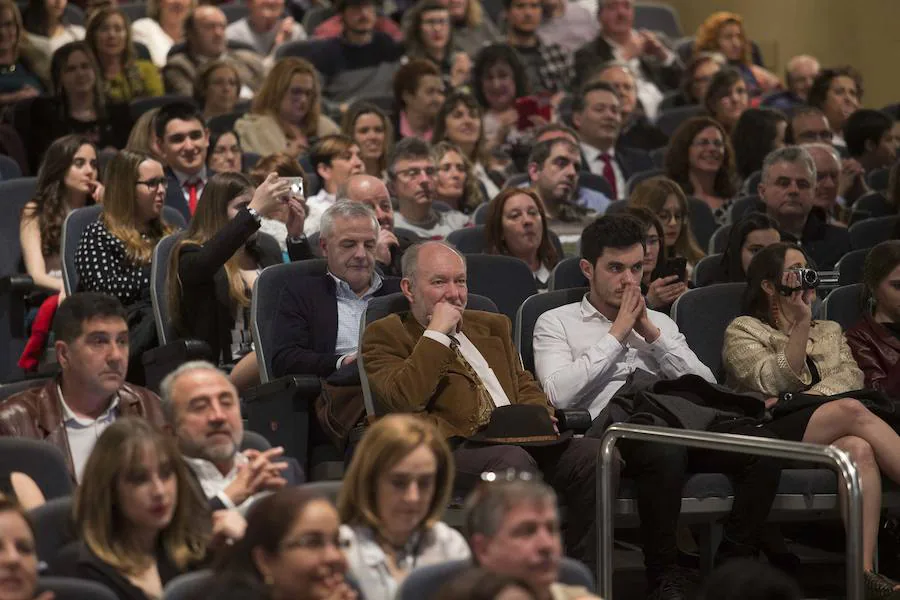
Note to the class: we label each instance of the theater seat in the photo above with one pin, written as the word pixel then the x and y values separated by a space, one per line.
pixel 640 176
pixel 506 280
pixel 53 528
pixel 871 232
pixel 844 305
pixel 40 460
pixel 567 274
pixel 530 312
pixel 704 269
pixel 188 586
pixel 69 588
pixel 850 267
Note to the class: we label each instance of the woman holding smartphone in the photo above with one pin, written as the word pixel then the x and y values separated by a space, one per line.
pixel 662 282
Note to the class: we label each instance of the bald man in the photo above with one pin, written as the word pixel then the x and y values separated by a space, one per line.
pixel 799 74
pixel 391 244
pixel 205 35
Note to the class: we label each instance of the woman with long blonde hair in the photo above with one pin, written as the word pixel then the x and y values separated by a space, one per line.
pixel 213 268
pixel 286 115
pixel 456 183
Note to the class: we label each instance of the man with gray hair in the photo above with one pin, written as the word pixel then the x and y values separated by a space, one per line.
pixel 637 130
pixel 828 179
pixel 799 75
pixel 512 526
pixel 318 316
pixel 787 189
pixel 203 412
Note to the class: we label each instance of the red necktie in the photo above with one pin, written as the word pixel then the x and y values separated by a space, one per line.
pixel 609 174
pixel 191 186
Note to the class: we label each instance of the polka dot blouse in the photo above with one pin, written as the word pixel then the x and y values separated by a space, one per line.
pixel 103 266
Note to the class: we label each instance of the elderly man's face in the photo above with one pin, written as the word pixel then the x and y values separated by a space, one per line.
pixel 623 82
pixel 802 74
pixel 788 190
pixel 207 416
pixel 440 277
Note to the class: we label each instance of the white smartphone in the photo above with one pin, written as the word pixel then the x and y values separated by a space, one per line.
pixel 296 186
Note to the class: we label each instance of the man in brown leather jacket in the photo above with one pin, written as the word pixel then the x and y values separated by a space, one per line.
pixel 73 409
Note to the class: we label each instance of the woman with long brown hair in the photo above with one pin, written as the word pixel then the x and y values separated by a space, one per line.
pixel 459 122
pixel 215 265
pixel 516 225
pixel 456 183
pixel 665 199
pixel 372 131
pixel 286 115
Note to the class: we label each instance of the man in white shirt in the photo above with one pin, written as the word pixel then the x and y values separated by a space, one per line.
pixel 266 27
pixel 411 178
pixel 585 351
pixel 597 116
pixel 567 24
pixel 334 158
pixel 203 412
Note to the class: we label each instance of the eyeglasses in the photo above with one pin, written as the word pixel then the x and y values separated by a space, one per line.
pixel 814 136
pixel 155 183
pixel 460 168
pixel 308 92
pixel 652 240
pixel 435 22
pixel 413 172
pixel 666 217
pixel 509 475
pixel 718 144
pixel 823 175
pixel 314 542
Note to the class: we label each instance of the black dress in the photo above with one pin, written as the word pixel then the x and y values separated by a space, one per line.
pixel 89 566
pixel 792 426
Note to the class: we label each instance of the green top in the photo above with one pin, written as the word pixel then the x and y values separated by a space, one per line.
pixel 138 80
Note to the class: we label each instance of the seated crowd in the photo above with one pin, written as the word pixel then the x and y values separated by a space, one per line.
pixel 370 156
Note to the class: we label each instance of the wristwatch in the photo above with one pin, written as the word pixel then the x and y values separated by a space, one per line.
pixel 255 215
pixel 300 239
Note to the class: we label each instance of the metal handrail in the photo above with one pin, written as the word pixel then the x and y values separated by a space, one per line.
pixel 742 444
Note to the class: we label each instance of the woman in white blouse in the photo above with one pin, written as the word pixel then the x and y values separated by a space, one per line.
pixel 391 503
pixel 47 27
pixel 162 28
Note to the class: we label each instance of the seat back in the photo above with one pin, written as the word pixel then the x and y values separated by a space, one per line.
pixel 263 305
pixel 234 11
pixel 325 489
pixel 703 223
pixel 516 180
pixel 188 586
pixel 479 217
pixel 9 169
pixel 878 179
pixel 10 389
pixel 871 232
pixel 719 240
pixel 658 156
pixel 506 280
pixel 704 268
pixel 73 228
pixel 640 176
pixel 657 17
pixel 390 304
pixel 702 314
pixel 744 205
pixel 54 527
pixel 567 274
pixel 159 273
pixel 69 588
pixel 844 305
pixel 531 310
pixel 872 205
pixel 134 10
pixel 669 120
pixel 749 188
pixel 40 460
pixel 254 441
pixel 315 16
pixel 222 123
pixel 617 207
pixel 311 50
pixel 850 267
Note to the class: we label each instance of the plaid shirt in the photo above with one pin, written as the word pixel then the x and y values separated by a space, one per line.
pixel 556 68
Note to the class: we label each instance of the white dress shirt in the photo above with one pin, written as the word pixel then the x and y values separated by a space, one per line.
pixel 581 365
pixel 202 177
pixel 82 433
pixel 478 363
pixel 595 164
pixel 648 93
pixel 316 205
pixel 150 33
pixel 447 221
pixel 368 562
pixel 214 483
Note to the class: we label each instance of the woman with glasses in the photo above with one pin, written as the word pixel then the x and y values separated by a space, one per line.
pixel 516 225
pixel 286 115
pixel 125 77
pixel 291 550
pixel 455 185
pixel 459 122
pixel 216 88
pixel 660 292
pixel 664 198
pixel 391 503
pixel 429 35
pixel 700 159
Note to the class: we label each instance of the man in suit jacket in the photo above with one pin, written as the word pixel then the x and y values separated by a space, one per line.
pixel 455 367
pixel 203 412
pixel 637 130
pixel 318 317
pixel 657 68
pixel 182 140
pixel 597 116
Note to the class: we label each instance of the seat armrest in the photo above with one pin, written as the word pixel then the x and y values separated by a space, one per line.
pixel 576 420
pixel 303 385
pixel 20 283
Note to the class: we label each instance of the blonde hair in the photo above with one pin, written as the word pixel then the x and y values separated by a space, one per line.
pixel 653 193
pixel 154 9
pixel 142 133
pixel 268 99
pixel 472 196
pixel 120 206
pixel 385 444
pixel 97 509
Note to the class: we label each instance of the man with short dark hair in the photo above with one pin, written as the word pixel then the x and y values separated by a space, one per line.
pixel 513 529
pixel 318 316
pixel 411 174
pixel 588 351
pixel 870 139
pixel 553 168
pixel 71 410
pixel 204 30
pixel 597 115
pixel 265 27
pixel 182 140
pixel 548 66
pixel 787 188
pixel 334 158
pixel 656 68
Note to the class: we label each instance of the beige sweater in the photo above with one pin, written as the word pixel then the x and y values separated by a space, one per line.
pixel 263 135
pixel 755 361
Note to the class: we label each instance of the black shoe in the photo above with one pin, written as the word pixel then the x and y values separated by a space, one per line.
pixel 879 587
pixel 673 585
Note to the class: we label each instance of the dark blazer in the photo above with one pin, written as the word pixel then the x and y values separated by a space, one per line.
pixel 877 352
pixel 89 566
pixel 175 194
pixel 641 134
pixel 596 52
pixel 632 160
pixel 825 243
pixel 307 320
pixel 207 309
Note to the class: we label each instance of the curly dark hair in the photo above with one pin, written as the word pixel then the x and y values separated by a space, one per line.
pixel 488 57
pixel 678 157
pixel 818 92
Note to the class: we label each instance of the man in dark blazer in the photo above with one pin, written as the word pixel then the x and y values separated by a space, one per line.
pixel 203 412
pixel 597 116
pixel 318 317
pixel 182 140
pixel 645 51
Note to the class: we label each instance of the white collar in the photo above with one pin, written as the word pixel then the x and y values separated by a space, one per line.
pixel 589 311
pixel 207 471
pixel 69 415
pixel 184 177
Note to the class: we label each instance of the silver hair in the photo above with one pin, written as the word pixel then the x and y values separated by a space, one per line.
pixel 614 64
pixel 486 508
pixel 168 383
pixel 409 262
pixel 826 147
pixel 345 209
pixel 789 154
